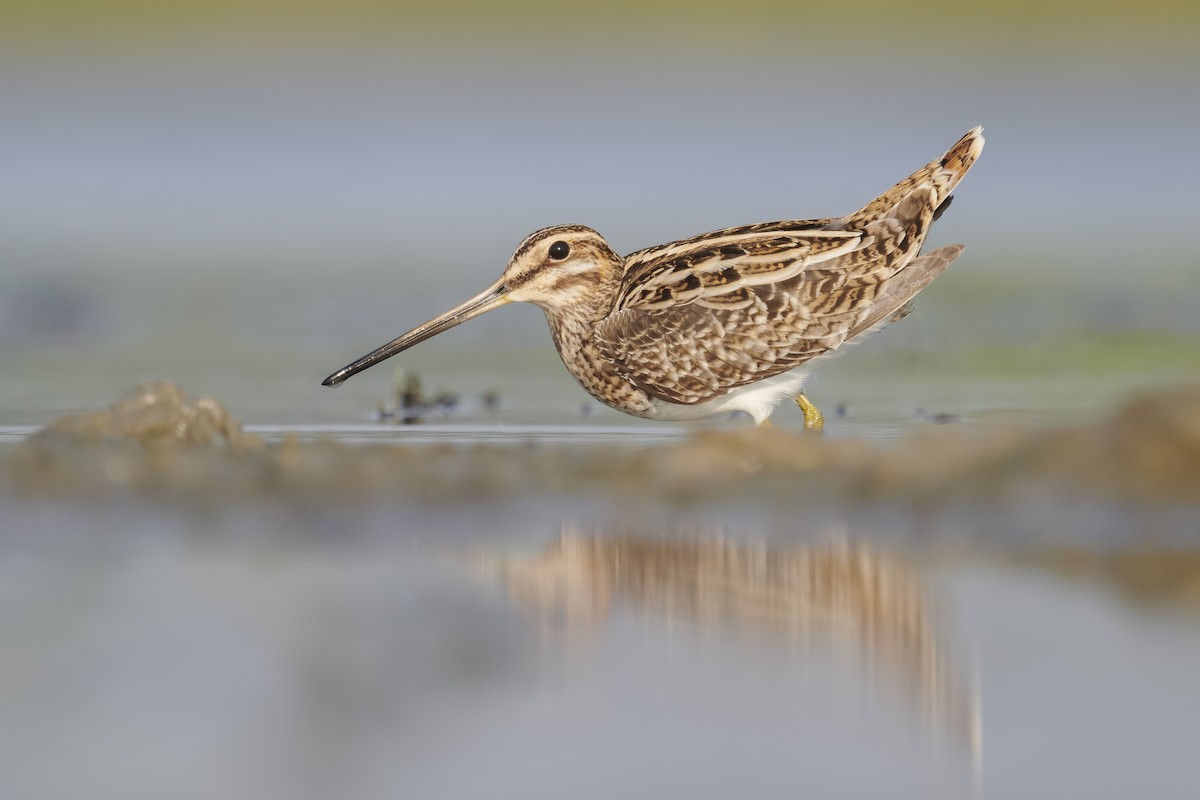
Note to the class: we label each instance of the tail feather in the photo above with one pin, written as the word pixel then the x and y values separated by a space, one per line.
pixel 895 300
pixel 941 209
pixel 943 175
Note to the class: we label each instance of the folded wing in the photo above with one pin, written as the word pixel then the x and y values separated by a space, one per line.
pixel 697 319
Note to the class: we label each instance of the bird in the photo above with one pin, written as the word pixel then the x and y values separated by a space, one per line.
pixel 727 321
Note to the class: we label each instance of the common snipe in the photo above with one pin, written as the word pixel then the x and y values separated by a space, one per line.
pixel 732 320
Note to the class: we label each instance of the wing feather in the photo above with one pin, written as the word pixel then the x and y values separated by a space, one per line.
pixel 699 318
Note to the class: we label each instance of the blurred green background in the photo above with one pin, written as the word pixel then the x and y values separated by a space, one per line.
pixel 242 197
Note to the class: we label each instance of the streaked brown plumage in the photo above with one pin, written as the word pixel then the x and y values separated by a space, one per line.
pixel 730 320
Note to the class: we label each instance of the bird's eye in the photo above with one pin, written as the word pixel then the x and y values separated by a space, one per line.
pixel 560 250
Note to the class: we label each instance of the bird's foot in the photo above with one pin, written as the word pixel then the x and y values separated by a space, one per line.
pixel 814 420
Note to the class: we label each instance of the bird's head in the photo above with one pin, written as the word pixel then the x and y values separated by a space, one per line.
pixel 564 269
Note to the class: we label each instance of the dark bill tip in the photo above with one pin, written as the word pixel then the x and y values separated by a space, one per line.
pixel 486 300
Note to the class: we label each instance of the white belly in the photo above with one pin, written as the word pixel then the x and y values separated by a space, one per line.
pixel 757 399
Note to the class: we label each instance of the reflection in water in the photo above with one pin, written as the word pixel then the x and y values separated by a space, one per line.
pixel 814 594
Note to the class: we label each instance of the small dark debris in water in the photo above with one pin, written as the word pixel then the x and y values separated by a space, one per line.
pixel 938 417
pixel 585 409
pixel 407 416
pixel 491 400
pixel 842 410
pixel 446 402
pixel 411 405
pixel 408 391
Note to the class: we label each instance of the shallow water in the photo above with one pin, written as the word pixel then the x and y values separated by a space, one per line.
pixel 388 650
pixel 450 609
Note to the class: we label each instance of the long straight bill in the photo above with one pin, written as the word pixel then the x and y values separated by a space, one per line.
pixel 492 297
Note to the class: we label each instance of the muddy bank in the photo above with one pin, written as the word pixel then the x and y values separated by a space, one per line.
pixel 158 442
pixel 1151 579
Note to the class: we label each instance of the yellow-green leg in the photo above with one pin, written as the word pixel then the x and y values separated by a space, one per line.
pixel 814 420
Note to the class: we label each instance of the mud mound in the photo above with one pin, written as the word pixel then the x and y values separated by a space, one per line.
pixel 154 415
